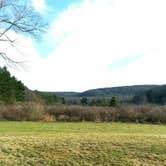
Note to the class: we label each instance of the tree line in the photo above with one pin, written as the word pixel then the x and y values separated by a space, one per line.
pixel 11 90
pixel 100 102
pixel 50 98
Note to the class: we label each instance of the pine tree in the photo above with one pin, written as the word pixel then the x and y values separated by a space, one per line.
pixel 6 93
pixel 113 102
pixel 11 90
pixel 84 101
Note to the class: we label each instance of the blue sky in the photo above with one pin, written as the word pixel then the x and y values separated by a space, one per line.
pixel 54 7
pixel 95 43
pixel 60 4
pixel 122 63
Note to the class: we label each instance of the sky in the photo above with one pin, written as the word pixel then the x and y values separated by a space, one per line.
pixel 93 44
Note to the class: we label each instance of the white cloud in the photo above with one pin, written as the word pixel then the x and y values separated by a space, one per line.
pixel 91 36
pixel 39 5
pixel 98 33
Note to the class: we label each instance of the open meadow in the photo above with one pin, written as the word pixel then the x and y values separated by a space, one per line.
pixel 39 143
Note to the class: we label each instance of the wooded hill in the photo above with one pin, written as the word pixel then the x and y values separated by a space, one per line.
pixel 12 90
pixel 109 92
pixel 124 94
pixel 156 95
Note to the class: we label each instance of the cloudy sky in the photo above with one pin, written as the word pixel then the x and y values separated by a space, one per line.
pixel 96 43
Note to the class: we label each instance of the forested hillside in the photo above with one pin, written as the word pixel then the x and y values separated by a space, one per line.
pixel 155 95
pixel 124 94
pixel 116 91
pixel 11 90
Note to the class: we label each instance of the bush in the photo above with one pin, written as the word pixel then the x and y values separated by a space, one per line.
pixel 33 111
pixel 138 114
pixel 29 111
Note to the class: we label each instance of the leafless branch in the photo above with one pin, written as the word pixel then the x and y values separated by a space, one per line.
pixel 17 16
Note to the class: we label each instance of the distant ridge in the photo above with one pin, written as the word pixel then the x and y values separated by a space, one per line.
pixel 66 94
pixel 109 92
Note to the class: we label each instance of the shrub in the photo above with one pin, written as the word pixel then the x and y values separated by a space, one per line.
pixel 29 111
pixel 132 113
pixel 33 111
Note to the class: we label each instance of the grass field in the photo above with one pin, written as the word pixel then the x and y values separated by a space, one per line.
pixel 44 144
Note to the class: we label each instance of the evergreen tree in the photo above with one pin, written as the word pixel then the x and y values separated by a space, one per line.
pixel 113 102
pixel 6 93
pixel 11 90
pixel 84 101
pixel 63 100
pixel 99 102
pixel 18 89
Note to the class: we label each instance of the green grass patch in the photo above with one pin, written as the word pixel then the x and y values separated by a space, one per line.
pixel 30 143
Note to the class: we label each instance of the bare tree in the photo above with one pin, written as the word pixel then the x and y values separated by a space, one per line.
pixel 18 16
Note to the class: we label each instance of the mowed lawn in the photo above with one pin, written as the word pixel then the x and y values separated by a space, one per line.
pixel 44 144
